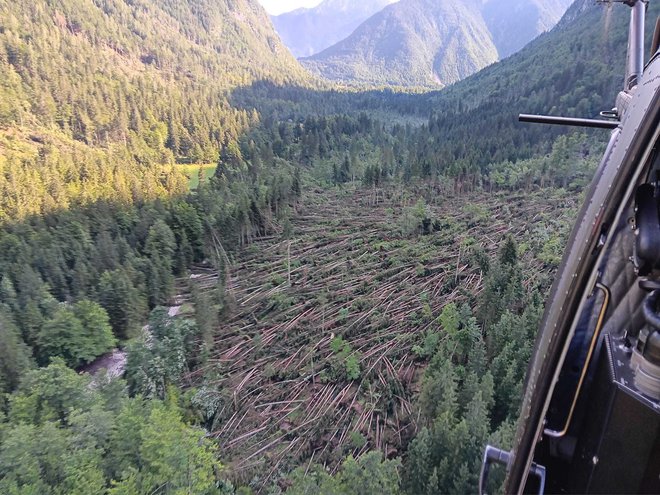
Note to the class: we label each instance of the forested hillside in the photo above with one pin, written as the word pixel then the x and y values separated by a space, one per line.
pixel 126 89
pixel 514 23
pixel 342 308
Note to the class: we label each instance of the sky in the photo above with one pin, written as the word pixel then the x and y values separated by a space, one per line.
pixel 275 7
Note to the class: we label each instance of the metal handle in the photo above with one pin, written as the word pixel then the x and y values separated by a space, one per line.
pixel 493 455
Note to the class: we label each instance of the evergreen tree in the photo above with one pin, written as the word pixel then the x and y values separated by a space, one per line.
pixel 16 359
pixel 121 300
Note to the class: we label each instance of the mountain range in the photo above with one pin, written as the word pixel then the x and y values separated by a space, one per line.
pixel 435 42
pixel 309 31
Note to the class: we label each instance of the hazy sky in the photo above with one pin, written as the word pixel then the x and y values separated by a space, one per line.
pixel 280 6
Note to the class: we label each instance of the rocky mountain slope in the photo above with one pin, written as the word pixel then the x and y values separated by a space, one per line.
pixel 309 31
pixel 435 43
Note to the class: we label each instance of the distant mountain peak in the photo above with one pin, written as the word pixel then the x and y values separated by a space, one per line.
pixel 435 42
pixel 307 31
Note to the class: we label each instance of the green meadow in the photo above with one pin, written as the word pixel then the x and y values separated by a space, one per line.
pixel 192 172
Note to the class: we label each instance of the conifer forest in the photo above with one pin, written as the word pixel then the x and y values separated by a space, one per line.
pixel 221 274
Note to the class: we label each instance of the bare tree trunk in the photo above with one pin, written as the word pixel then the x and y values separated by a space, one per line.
pixel 288 260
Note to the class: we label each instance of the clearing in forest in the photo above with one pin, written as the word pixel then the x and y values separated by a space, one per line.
pixel 196 172
pixel 315 358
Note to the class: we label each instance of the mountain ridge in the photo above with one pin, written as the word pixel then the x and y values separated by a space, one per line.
pixel 428 43
pixel 307 31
